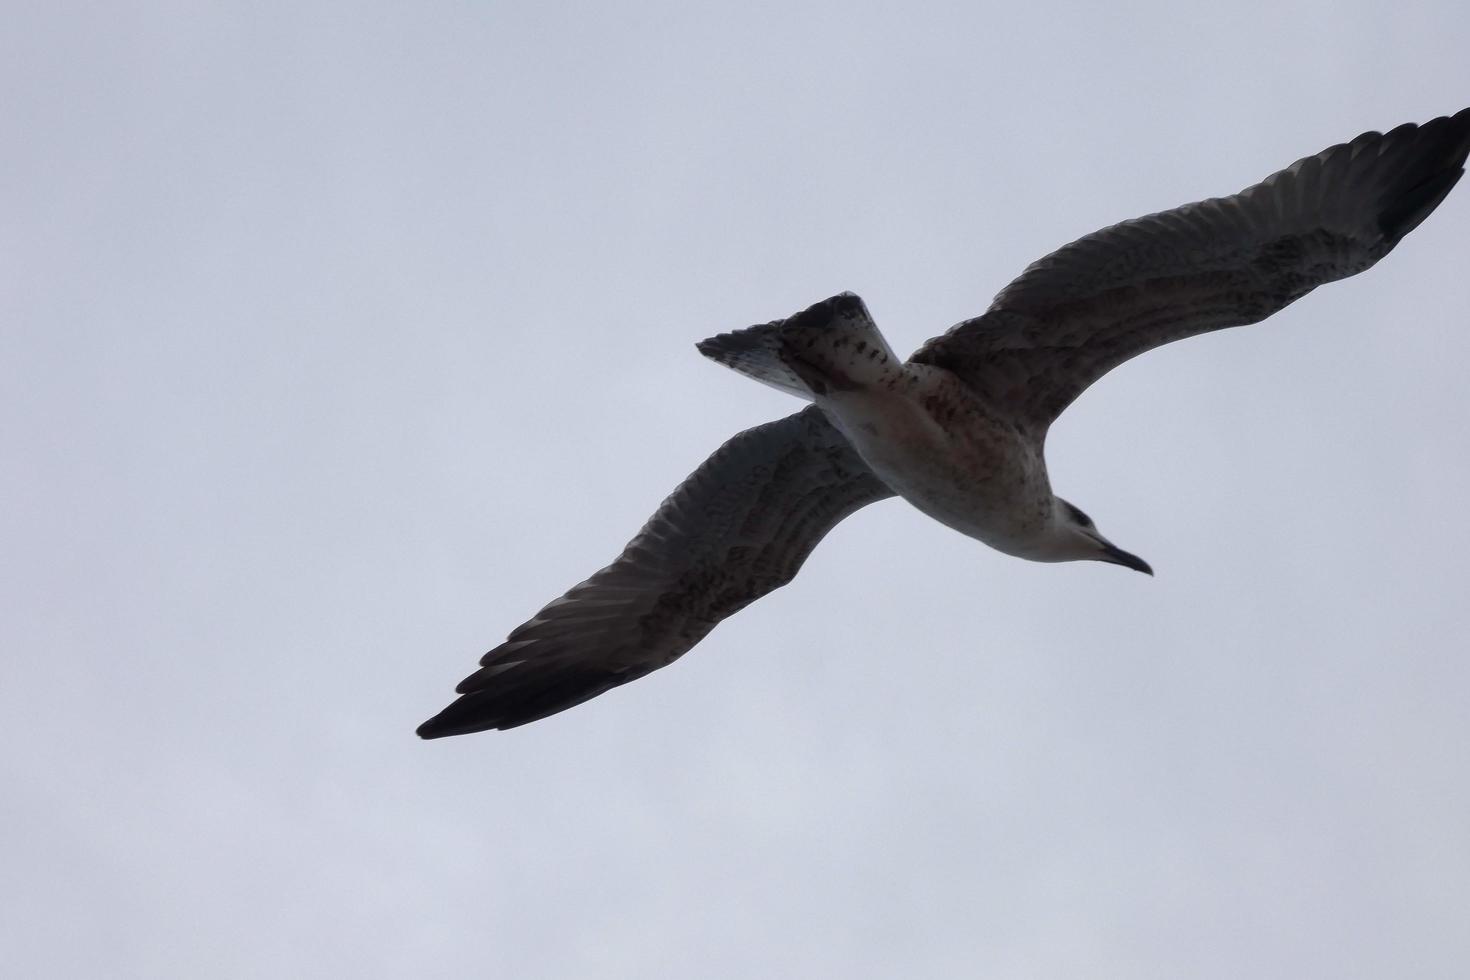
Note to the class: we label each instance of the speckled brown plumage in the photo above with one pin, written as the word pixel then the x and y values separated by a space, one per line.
pixel 740 526
pixel 1089 306
pixel 971 409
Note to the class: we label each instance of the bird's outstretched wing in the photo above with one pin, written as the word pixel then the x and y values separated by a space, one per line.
pixel 1088 307
pixel 738 527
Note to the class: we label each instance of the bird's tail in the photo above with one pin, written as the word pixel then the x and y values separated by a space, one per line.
pixel 833 345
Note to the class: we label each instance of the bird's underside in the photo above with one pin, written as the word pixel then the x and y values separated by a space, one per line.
pixel 742 524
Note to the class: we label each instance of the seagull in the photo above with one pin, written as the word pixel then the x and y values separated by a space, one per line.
pixel 959 429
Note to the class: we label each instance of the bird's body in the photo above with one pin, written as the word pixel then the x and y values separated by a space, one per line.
pixel 959 429
pixel 936 442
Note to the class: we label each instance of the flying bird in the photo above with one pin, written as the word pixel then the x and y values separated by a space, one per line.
pixel 959 429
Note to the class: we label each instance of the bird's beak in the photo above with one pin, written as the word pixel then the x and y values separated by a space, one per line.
pixel 1120 557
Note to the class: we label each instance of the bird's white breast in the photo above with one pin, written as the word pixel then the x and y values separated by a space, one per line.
pixel 938 445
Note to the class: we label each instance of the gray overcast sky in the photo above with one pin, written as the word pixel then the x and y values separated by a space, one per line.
pixel 337 338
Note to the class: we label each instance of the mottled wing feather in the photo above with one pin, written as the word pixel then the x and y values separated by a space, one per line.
pixel 740 526
pixel 1088 307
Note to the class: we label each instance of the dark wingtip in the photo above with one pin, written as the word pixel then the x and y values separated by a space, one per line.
pixel 509 701
pixel 430 730
pixel 1443 145
pixel 456 719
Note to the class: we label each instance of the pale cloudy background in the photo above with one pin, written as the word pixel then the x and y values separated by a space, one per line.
pixel 337 338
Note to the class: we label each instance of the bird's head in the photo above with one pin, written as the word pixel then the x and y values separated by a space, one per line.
pixel 1075 538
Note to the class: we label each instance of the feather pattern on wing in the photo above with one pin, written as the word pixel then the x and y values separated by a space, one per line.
pixel 1088 307
pixel 740 526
